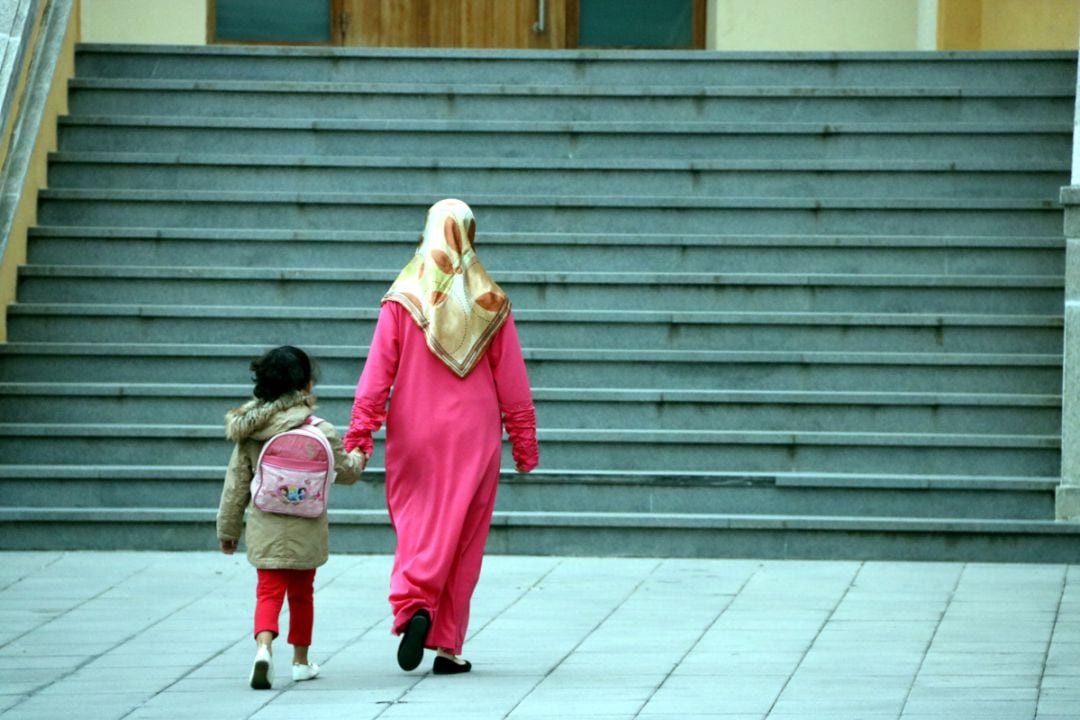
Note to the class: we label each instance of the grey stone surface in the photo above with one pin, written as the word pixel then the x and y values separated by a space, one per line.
pixel 1042 142
pixel 584 67
pixel 166 635
pixel 16 19
pixel 862 252
pixel 1068 497
pixel 31 108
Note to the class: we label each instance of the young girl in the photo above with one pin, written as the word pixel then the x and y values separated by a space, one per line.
pixel 285 549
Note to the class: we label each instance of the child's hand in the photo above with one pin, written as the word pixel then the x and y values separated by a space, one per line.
pixel 360 456
pixel 228 546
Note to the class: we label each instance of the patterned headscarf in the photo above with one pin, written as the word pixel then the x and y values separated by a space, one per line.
pixel 447 291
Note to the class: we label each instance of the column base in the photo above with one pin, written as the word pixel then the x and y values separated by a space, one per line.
pixel 1067 502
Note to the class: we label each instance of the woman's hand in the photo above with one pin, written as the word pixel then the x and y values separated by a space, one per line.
pixel 228 546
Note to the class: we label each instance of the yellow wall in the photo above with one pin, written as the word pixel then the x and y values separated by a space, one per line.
pixel 1008 24
pixel 180 22
pixel 815 24
pixel 26 212
pixel 1030 24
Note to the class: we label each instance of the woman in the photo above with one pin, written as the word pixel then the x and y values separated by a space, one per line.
pixel 445 340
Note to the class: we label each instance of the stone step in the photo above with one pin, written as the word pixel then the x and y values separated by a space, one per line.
pixel 329 100
pixel 686 451
pixel 795 332
pixel 467 176
pixel 80 486
pixel 545 252
pixel 597 408
pixel 1043 141
pixel 1002 70
pixel 918 189
pixel 751 292
pixel 794 371
pixel 619 214
pixel 582 533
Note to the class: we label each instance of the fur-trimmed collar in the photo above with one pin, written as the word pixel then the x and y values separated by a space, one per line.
pixel 259 420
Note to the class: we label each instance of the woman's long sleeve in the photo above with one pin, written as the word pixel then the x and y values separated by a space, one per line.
pixel 515 396
pixel 373 389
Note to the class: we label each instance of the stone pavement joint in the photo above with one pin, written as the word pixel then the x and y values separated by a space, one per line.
pixel 142 635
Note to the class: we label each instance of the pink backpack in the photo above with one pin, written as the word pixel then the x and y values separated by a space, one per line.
pixel 294 472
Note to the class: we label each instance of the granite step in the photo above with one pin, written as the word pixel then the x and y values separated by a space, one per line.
pixel 116 486
pixel 592 534
pixel 591 408
pixel 750 370
pixel 1041 141
pixel 615 330
pixel 749 292
pixel 548 252
pixel 620 449
pixel 1002 70
pixel 642 102
pixel 552 176
pixel 618 214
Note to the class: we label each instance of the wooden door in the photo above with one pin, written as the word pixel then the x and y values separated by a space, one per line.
pixel 455 23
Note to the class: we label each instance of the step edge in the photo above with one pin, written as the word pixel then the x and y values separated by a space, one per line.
pixel 632 521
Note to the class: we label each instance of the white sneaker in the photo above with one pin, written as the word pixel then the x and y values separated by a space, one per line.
pixel 304 672
pixel 262 670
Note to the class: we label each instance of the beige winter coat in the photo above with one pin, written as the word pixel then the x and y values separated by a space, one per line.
pixel 276 541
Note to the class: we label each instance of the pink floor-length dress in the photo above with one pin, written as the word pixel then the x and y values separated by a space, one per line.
pixel 443 446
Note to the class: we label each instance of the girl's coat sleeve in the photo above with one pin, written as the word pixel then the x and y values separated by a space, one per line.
pixel 348 467
pixel 235 496
pixel 515 397
pixel 373 389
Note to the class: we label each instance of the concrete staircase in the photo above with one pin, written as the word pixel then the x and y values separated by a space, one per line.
pixel 802 305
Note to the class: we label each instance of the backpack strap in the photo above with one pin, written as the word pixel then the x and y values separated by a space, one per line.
pixel 312 420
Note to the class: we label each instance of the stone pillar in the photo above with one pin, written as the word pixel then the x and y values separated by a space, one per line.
pixel 1068 492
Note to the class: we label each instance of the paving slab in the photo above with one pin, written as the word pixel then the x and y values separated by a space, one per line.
pixel 130 635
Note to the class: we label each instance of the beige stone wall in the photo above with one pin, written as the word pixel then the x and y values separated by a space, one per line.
pixel 816 24
pixel 179 22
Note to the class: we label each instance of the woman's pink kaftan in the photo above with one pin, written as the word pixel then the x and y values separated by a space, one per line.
pixel 443 445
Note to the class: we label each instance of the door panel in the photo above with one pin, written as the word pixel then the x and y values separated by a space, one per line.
pixel 273 22
pixel 455 23
pixel 674 24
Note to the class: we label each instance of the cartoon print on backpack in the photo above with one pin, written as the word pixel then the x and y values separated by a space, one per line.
pixel 292 493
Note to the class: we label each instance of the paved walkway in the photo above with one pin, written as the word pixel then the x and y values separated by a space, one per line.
pixel 165 635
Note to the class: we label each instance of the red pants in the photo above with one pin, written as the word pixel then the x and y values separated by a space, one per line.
pixel 299 586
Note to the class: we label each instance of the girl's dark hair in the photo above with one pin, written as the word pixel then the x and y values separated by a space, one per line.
pixel 281 371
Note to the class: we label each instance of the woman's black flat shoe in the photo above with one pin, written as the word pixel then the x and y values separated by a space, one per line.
pixel 411 650
pixel 446 666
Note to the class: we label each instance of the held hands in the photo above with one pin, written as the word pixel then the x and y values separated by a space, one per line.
pixel 362 457
pixel 352 439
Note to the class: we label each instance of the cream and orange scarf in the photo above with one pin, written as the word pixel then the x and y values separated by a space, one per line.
pixel 447 291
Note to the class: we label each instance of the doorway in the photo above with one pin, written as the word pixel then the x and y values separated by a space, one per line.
pixel 520 24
